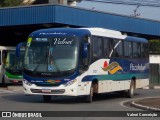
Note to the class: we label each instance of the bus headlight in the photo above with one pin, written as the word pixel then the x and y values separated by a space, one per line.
pixel 26 82
pixel 70 82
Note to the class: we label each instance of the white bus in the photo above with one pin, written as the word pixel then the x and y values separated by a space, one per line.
pixel 10 67
pixel 84 61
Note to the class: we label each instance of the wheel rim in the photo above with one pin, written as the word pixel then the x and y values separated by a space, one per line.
pixel 132 89
pixel 91 91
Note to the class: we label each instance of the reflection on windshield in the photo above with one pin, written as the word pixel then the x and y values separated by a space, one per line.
pixel 51 54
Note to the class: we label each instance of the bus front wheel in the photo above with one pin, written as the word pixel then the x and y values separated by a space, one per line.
pixel 47 98
pixel 89 97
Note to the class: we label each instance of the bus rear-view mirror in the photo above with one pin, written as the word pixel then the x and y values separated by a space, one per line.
pixel 85 54
pixel 18 47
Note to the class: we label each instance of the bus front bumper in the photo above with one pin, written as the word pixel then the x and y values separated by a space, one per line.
pixel 13 80
pixel 57 91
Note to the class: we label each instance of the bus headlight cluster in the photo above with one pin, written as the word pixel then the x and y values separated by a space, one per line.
pixel 27 83
pixel 70 82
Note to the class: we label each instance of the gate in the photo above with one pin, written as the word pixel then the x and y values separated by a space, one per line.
pixel 154 74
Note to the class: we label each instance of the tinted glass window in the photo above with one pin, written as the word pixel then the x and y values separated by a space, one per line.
pixel 106 44
pixel 97 46
pixel 127 49
pixel 112 44
pixel 118 51
pixel 56 54
pixel 136 50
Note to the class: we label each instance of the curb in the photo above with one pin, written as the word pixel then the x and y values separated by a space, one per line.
pixel 155 87
pixel 144 107
pixel 151 87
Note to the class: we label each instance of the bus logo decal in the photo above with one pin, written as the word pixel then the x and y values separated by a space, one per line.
pixel 138 67
pixel 111 68
pixel 53 81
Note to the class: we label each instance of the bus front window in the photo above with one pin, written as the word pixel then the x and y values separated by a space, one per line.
pixel 10 59
pixel 58 54
pixel 12 62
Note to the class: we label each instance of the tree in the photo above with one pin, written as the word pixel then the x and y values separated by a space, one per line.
pixel 10 3
pixel 154 46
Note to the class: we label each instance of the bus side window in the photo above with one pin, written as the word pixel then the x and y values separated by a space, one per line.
pixel 136 50
pixel 106 46
pixel 111 46
pixel 118 51
pixel 139 49
pixel 127 49
pixel 96 46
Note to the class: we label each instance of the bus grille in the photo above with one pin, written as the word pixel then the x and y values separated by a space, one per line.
pixel 48 85
pixel 59 91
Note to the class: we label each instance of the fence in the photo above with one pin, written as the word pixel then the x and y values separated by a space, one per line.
pixel 154 74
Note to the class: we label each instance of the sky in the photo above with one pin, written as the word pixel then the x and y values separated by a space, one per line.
pixel 148 9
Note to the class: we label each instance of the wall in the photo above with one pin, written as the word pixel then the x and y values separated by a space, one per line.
pixel 154 58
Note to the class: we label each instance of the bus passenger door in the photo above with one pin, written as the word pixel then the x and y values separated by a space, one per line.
pixel 3 54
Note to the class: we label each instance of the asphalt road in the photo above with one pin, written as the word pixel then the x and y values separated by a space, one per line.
pixel 14 101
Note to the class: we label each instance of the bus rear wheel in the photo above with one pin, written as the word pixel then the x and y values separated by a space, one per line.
pixel 89 97
pixel 130 92
pixel 47 98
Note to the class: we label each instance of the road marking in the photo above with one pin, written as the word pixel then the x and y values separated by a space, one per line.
pixel 122 103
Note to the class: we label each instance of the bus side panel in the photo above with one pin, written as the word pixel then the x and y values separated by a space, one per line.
pixel 120 85
pixel 110 86
pixel 100 86
pixel 127 84
pixel 83 87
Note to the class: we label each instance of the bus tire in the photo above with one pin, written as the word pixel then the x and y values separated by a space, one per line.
pixel 130 92
pixel 89 97
pixel 47 98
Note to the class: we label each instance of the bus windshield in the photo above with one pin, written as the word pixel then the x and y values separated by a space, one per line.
pixel 12 62
pixel 56 54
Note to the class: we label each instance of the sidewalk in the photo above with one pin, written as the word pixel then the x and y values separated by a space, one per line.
pixel 11 89
pixel 152 104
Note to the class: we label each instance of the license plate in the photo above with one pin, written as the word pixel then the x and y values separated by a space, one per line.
pixel 46 90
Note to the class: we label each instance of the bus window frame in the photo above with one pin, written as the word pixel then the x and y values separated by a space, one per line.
pixel 91 47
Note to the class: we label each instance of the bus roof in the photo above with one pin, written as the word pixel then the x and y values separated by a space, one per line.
pixel 114 34
pixel 60 31
pixel 106 33
pixel 136 39
pixel 86 31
